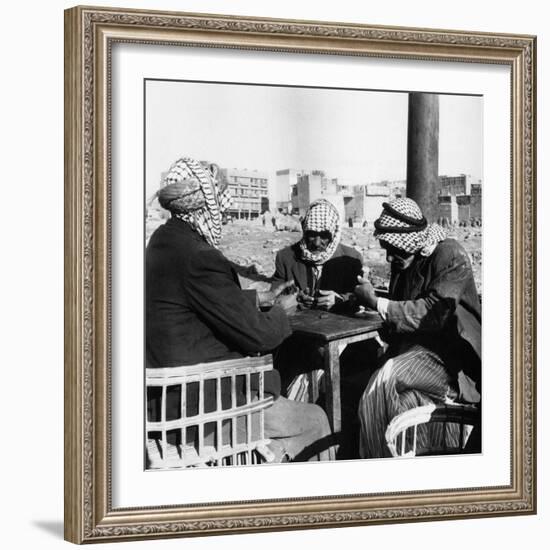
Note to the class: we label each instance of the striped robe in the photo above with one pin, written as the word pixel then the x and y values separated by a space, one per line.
pixel 414 378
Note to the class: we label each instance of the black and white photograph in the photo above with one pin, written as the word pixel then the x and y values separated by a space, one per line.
pixel 313 274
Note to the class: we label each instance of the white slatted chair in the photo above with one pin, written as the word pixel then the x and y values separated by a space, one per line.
pixel 228 432
pixel 402 432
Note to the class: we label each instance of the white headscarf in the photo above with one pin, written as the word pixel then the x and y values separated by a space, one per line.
pixel 192 194
pixel 321 216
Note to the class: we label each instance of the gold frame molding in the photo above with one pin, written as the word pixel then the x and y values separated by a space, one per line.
pixel 89 35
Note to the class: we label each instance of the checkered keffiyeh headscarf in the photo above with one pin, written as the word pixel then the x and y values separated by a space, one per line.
pixel 402 225
pixel 321 216
pixel 192 194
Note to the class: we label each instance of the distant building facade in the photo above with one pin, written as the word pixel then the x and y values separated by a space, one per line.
pixel 463 208
pixel 313 186
pixel 455 185
pixel 366 202
pixel 475 201
pixel 398 189
pixel 448 208
pixel 249 191
pixel 459 199
pixel 285 180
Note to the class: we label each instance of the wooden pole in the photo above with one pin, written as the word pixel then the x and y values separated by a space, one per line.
pixel 423 152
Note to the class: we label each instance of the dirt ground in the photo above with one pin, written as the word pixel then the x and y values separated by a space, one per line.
pixel 253 247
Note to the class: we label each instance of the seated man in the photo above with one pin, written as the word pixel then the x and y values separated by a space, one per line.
pixel 434 319
pixel 323 269
pixel 196 311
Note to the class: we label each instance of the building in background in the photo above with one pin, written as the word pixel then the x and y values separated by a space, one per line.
pixel 475 201
pixel 463 208
pixel 398 189
pixel 455 185
pixel 448 208
pixel 249 190
pixel 285 180
pixel 459 200
pixel 365 204
pixel 313 186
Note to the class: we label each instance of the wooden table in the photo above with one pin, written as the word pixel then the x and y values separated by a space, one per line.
pixel 334 332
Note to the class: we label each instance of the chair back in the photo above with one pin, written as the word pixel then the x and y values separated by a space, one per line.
pixel 210 414
pixel 446 427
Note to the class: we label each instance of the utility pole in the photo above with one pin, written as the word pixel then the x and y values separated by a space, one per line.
pixel 423 152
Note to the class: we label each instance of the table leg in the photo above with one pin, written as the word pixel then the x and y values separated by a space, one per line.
pixel 332 386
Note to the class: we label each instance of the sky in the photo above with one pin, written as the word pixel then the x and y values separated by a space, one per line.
pixel 357 136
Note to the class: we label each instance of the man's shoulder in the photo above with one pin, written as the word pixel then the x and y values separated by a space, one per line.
pixel 181 242
pixel 447 250
pixel 203 254
pixel 289 253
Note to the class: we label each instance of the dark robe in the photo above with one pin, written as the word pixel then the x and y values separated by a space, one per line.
pixel 195 310
pixel 435 303
pixel 339 272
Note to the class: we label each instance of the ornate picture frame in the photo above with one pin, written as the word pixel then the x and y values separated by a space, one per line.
pixel 90 34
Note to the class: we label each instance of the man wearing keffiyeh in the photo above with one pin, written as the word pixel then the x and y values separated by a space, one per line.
pixel 433 316
pixel 325 271
pixel 193 195
pixel 322 268
pixel 196 311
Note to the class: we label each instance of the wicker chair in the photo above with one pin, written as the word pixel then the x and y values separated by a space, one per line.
pixel 402 432
pixel 228 430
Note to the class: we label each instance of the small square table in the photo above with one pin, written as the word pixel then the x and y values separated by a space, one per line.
pixel 334 332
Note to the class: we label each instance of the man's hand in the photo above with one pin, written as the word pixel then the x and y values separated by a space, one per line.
pixel 279 288
pixel 365 293
pixel 326 299
pixel 288 302
pixel 305 299
pixel 268 297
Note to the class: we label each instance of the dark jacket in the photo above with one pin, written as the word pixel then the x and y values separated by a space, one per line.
pixel 195 309
pixel 339 273
pixel 435 302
